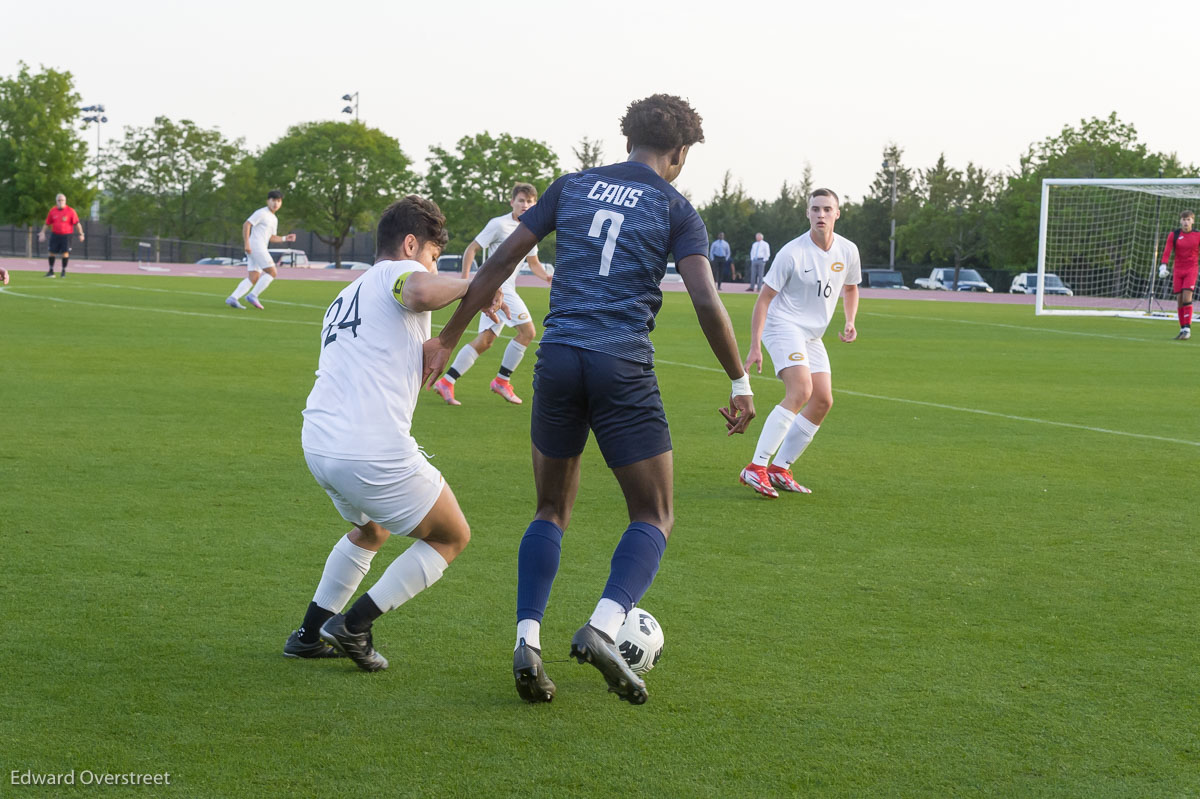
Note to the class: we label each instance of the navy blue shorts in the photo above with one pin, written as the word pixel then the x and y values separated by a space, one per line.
pixel 576 390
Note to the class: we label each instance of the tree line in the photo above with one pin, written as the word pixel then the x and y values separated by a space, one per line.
pixel 176 179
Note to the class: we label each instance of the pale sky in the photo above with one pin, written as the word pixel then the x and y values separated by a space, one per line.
pixel 778 84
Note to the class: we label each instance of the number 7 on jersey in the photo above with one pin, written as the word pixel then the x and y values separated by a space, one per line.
pixel 610 243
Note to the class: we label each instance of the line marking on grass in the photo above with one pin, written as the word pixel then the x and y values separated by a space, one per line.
pixel 978 411
pixel 1026 328
pixel 10 293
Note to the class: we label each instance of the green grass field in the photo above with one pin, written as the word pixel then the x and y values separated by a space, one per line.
pixel 992 590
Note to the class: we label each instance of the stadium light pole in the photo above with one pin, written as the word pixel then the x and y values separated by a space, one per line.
pixel 887 164
pixel 96 117
pixel 348 109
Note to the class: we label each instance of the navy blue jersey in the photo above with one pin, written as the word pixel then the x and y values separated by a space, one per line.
pixel 616 226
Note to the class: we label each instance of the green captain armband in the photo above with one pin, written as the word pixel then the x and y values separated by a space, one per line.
pixel 398 288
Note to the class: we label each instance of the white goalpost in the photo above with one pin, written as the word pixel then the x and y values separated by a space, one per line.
pixel 1103 239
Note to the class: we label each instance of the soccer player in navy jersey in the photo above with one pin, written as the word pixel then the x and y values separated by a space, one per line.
pixel 616 226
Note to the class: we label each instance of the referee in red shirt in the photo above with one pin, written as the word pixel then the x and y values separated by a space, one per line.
pixel 62 221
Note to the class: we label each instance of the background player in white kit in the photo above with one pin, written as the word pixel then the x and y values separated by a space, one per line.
pixel 258 233
pixel 524 195
pixel 357 440
pixel 798 298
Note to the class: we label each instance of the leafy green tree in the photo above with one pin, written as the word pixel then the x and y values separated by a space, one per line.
pixel 167 179
pixel 868 224
pixel 41 151
pixel 731 212
pixel 474 183
pixel 336 177
pixel 1096 148
pixel 589 152
pixel 784 218
pixel 951 226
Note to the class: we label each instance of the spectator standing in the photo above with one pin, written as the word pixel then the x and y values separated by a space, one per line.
pixel 719 254
pixel 760 253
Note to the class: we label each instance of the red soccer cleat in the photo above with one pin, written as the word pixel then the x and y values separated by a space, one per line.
pixel 782 479
pixel 505 389
pixel 446 389
pixel 756 477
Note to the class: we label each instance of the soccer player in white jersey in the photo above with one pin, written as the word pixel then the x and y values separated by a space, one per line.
pixel 258 233
pixel 798 298
pixel 357 440
pixel 524 195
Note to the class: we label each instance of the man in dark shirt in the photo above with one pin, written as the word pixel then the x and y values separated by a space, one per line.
pixel 617 226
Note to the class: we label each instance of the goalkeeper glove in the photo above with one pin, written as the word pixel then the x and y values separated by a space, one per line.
pixel 1163 271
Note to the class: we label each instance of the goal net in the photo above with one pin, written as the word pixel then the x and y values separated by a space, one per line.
pixel 1103 240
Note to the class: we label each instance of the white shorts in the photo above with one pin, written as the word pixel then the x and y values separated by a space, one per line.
pixel 395 494
pixel 518 314
pixel 792 348
pixel 258 261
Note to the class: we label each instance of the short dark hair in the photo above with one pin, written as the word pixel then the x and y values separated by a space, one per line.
pixel 662 122
pixel 416 215
pixel 274 194
pixel 825 193
pixel 524 188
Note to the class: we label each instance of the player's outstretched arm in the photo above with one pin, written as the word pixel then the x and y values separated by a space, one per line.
pixel 480 293
pixel 714 321
pixel 758 321
pixel 468 258
pixel 428 291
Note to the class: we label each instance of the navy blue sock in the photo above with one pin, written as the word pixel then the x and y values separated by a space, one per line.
pixel 537 564
pixel 634 564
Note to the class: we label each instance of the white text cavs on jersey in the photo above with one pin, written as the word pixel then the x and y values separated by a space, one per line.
pixel 615 193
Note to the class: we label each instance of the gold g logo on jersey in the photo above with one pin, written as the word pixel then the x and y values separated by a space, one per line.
pixel 796 356
pixel 522 317
pixel 837 266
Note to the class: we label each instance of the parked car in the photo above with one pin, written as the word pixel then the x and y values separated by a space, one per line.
pixel 359 265
pixel 1026 283
pixel 219 261
pixel 524 268
pixel 286 258
pixel 882 279
pixel 942 279
pixel 453 263
pixel 672 275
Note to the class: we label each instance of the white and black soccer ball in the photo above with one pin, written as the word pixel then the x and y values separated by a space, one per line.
pixel 640 641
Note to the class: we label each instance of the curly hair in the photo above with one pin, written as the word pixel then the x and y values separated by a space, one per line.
pixel 662 122
pixel 415 215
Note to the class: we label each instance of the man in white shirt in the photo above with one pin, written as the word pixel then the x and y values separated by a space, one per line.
pixel 793 310
pixel 259 232
pixel 760 253
pixel 357 441
pixel 524 196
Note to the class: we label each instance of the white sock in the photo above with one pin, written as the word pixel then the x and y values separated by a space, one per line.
pixel 262 284
pixel 242 288
pixel 773 432
pixel 529 631
pixel 608 617
pixel 513 354
pixel 345 568
pixel 463 361
pixel 799 436
pixel 419 567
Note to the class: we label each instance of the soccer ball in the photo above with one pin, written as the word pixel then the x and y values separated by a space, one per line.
pixel 640 641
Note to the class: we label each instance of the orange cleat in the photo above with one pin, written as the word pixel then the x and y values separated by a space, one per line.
pixel 782 479
pixel 505 389
pixel 756 477
pixel 446 389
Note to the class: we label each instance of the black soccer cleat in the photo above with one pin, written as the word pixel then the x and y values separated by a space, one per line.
pixel 589 646
pixel 295 648
pixel 356 646
pixel 533 684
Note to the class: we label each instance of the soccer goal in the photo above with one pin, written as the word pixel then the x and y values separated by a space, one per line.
pixel 1102 240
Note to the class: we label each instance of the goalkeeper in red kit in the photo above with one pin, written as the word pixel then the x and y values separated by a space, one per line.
pixel 1184 242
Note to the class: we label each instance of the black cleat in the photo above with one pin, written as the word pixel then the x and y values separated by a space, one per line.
pixel 356 646
pixel 589 646
pixel 533 684
pixel 295 648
